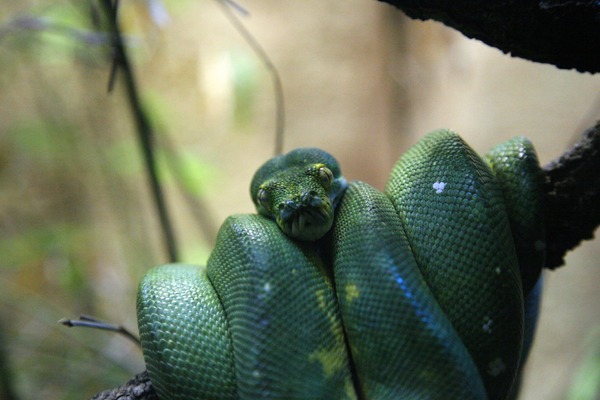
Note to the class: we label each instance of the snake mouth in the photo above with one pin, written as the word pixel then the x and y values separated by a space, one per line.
pixel 304 222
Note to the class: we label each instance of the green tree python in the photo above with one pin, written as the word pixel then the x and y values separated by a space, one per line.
pixel 335 290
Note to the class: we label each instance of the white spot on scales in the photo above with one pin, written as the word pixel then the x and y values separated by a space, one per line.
pixel 487 324
pixel 496 367
pixel 439 186
pixel 264 293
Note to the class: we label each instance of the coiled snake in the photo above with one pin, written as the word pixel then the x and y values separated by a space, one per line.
pixel 338 291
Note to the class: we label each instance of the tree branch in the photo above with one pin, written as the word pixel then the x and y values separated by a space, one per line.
pixel 144 128
pixel 573 197
pixel 139 388
pixel 565 33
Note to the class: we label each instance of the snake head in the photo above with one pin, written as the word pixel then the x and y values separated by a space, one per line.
pixel 300 191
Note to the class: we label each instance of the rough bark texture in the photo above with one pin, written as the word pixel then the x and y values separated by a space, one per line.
pixel 139 388
pixel 573 195
pixel 565 33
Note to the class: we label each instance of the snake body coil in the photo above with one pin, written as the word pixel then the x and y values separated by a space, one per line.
pixel 339 291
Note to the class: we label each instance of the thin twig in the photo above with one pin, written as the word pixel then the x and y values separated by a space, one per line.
pixel 144 129
pixel 86 321
pixel 39 24
pixel 262 54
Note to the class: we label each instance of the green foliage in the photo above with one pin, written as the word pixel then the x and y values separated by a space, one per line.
pixel 77 227
pixel 246 86
pixel 586 384
pixel 188 171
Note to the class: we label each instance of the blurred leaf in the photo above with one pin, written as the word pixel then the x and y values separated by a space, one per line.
pixel 196 253
pixel 188 170
pixel 246 78
pixel 183 168
pixel 586 385
pixel 56 251
pixel 159 110
pixel 179 6
pixel 35 244
pixel 69 32
pixel 69 15
pixel 124 156
pixel 33 137
pixel 177 165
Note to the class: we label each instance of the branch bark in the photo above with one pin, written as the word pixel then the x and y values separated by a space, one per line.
pixel 138 388
pixel 565 33
pixel 573 197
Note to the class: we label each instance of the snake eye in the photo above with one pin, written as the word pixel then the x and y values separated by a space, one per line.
pixel 326 176
pixel 262 198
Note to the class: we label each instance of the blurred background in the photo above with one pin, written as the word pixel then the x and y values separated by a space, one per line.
pixel 77 228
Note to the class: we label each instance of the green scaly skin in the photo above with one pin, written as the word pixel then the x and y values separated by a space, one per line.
pixel 462 242
pixel 393 323
pixel 262 276
pixel 182 364
pixel 411 294
pixel 518 171
pixel 300 191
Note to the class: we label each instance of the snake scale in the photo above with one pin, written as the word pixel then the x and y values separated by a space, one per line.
pixel 335 290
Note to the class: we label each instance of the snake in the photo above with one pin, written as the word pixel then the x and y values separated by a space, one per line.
pixel 336 290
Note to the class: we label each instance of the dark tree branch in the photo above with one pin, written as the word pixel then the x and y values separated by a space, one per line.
pixel 565 33
pixel 573 197
pixel 144 128
pixel 139 388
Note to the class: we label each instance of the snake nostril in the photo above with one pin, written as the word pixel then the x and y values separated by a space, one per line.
pixel 286 210
pixel 311 198
pixel 314 200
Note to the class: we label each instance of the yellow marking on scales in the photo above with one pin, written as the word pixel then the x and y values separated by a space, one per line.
pixel 331 360
pixel 487 324
pixel 351 292
pixel 349 388
pixel 322 301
